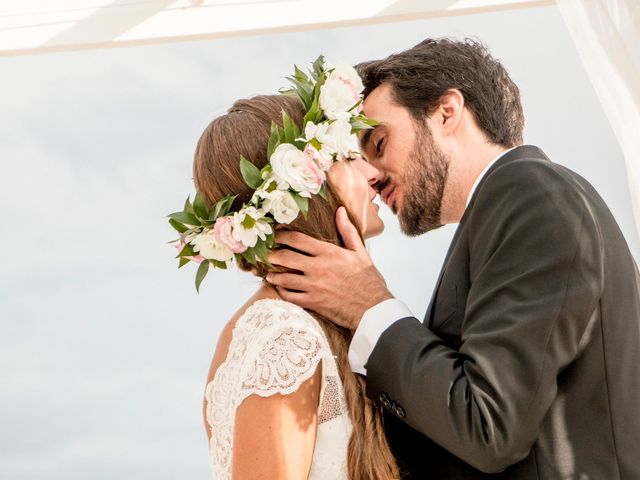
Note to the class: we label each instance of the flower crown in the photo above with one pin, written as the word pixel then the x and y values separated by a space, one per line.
pixel 298 159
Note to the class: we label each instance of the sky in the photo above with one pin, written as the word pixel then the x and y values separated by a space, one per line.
pixel 104 344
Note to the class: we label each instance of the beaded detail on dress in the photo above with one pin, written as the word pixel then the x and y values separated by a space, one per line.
pixel 275 347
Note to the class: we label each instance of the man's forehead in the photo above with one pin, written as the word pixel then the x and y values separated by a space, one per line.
pixel 378 100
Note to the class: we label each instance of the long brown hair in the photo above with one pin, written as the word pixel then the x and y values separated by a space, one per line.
pixel 245 130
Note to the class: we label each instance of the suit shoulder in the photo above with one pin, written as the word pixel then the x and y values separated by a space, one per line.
pixel 531 172
pixel 534 178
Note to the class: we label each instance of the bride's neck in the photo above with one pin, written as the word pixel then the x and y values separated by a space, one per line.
pixel 266 290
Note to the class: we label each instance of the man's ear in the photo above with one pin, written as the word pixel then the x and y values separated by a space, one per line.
pixel 449 112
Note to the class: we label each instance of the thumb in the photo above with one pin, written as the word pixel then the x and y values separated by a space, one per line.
pixel 348 231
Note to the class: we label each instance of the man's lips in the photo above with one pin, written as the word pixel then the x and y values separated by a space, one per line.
pixel 386 194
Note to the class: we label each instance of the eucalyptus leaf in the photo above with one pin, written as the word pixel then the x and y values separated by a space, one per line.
pixel 250 173
pixel 201 273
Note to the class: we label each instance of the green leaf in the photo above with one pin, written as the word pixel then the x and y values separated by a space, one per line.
pixel 323 193
pixel 360 122
pixel 317 67
pixel 187 251
pixel 201 273
pixel 270 241
pixel 261 252
pixel 303 89
pixel 228 204
pixel 178 226
pixel 250 256
pixel 300 75
pixel 219 264
pixel 183 261
pixel 274 139
pixel 199 208
pixel 187 206
pixel 315 114
pixel 222 208
pixel 250 173
pixel 186 218
pixel 312 113
pixel 303 204
pixel 291 130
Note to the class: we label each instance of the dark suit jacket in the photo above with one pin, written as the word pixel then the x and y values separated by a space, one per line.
pixel 527 365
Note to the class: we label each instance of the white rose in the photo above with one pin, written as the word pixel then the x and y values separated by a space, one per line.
pixel 281 205
pixel 207 246
pixel 257 228
pixel 293 169
pixel 340 92
pixel 334 138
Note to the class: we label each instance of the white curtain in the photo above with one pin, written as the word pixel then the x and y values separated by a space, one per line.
pixel 607 36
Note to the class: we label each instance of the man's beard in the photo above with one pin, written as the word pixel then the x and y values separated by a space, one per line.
pixel 424 181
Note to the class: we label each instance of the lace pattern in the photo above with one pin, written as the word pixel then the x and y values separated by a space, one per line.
pixel 275 347
pixel 285 361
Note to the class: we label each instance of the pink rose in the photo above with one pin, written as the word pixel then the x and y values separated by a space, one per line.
pixel 315 170
pixel 223 233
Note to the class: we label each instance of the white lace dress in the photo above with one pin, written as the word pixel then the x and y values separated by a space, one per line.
pixel 275 347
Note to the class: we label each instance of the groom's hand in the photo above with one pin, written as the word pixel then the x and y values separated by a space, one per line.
pixel 340 284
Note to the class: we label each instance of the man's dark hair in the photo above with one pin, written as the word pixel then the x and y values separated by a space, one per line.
pixel 420 76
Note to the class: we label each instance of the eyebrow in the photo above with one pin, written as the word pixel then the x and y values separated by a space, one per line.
pixel 366 136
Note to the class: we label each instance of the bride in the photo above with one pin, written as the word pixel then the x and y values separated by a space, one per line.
pixel 281 401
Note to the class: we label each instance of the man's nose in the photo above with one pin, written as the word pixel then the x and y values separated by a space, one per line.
pixel 374 175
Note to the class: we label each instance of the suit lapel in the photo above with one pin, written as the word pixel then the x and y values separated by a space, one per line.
pixel 524 151
pixel 428 316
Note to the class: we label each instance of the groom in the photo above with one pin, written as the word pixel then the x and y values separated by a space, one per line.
pixel 527 363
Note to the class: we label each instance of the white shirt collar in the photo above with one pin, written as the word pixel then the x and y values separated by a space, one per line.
pixel 483 173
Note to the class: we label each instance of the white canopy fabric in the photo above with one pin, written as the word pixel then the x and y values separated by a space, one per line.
pixel 36 26
pixel 607 36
